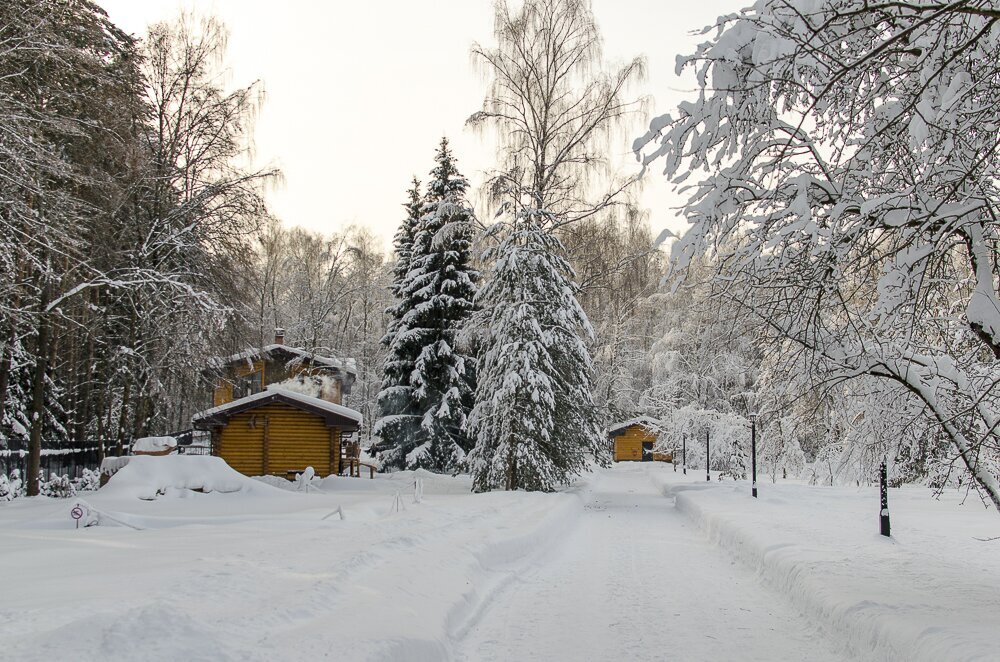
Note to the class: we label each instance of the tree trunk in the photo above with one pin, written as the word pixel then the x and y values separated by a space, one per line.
pixel 38 396
pixel 5 364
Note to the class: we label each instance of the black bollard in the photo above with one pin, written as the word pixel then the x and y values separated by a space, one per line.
pixel 753 455
pixel 708 459
pixel 884 497
pixel 684 443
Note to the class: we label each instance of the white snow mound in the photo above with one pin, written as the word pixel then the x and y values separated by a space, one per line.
pixel 153 444
pixel 148 477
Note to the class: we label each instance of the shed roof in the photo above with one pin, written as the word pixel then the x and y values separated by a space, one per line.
pixel 331 412
pixel 645 421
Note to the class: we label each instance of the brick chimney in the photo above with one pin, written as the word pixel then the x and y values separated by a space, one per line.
pixel 279 336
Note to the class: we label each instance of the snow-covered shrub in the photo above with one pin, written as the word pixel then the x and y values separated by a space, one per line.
pixel 89 481
pixel 57 486
pixel 11 487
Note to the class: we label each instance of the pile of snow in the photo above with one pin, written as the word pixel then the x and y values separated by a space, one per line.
pixel 147 477
pixel 275 481
pixel 111 464
pixel 153 444
pixel 930 592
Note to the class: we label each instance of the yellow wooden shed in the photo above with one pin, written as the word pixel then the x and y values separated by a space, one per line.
pixel 635 440
pixel 279 432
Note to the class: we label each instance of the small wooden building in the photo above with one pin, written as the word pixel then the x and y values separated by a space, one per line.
pixel 634 441
pixel 279 432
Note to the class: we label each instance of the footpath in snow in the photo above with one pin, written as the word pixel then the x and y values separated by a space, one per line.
pixel 637 580
pixel 930 592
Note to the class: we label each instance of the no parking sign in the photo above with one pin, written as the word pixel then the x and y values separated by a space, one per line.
pixel 78 512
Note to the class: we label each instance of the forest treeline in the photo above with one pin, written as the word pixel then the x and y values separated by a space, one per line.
pixel 136 244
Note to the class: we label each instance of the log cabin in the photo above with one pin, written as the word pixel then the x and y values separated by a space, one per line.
pixel 280 409
pixel 279 432
pixel 635 441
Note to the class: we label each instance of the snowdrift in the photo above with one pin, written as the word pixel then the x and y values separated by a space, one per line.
pixel 928 593
pixel 150 477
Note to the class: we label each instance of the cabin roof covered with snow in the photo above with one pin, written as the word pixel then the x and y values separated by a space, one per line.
pixel 645 421
pixel 333 413
pixel 280 351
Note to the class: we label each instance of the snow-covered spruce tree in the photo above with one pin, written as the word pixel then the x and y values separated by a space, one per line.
pixel 535 422
pixel 438 299
pixel 398 421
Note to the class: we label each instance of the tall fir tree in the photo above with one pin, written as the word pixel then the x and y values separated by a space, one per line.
pixel 399 420
pixel 437 298
pixel 535 423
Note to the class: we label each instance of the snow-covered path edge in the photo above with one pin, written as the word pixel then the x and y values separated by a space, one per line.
pixel 860 622
pixel 862 635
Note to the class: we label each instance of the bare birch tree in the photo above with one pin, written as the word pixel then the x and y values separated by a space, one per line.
pixel 554 105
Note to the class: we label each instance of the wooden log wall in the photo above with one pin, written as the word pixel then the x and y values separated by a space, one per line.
pixel 628 445
pixel 278 439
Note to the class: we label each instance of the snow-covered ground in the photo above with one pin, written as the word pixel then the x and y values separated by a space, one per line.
pixel 636 581
pixel 635 562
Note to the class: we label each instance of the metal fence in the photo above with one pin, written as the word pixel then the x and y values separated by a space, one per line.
pixel 72 461
pixel 54 462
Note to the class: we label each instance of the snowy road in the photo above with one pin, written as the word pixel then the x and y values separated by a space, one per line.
pixel 636 580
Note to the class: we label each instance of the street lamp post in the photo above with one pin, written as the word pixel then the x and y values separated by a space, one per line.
pixel 753 454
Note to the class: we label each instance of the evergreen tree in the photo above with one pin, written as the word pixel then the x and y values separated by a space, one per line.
pixel 436 300
pixel 398 419
pixel 403 243
pixel 534 421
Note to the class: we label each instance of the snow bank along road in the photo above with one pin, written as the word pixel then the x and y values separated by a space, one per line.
pixel 929 593
pixel 636 580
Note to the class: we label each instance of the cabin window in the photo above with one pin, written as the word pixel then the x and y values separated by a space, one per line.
pixel 248 385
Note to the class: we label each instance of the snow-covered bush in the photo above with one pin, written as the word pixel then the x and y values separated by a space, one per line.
pixel 11 487
pixel 88 481
pixel 6 494
pixel 58 486
pixel 728 437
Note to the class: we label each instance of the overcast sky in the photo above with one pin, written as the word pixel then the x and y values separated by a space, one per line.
pixel 359 93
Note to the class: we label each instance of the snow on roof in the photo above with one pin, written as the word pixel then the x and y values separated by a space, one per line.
pixel 272 390
pixel 347 365
pixel 153 444
pixel 646 421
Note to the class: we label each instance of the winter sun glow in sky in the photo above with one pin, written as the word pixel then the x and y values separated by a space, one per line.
pixel 358 94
